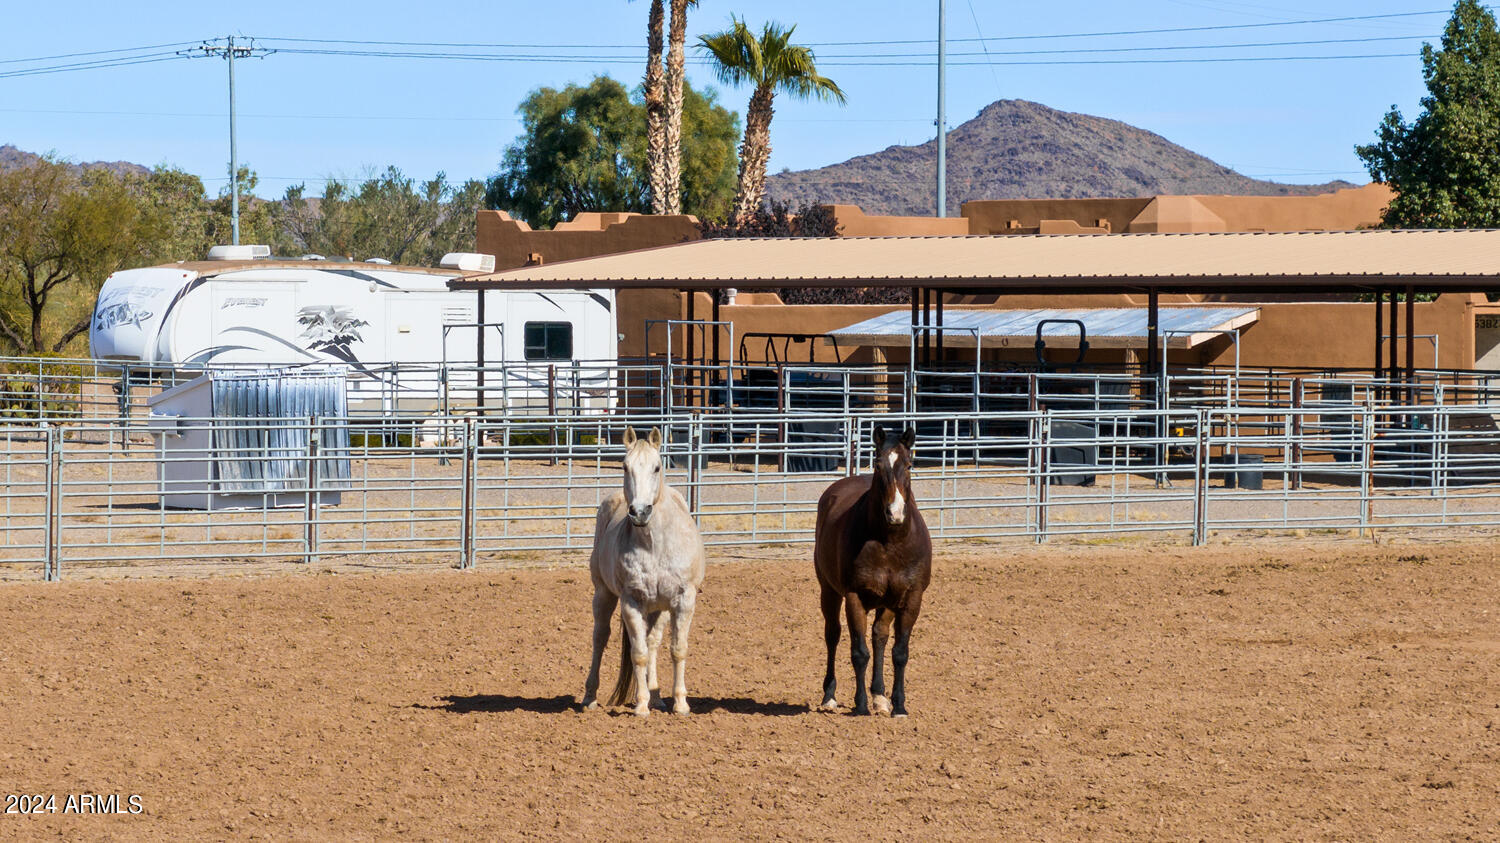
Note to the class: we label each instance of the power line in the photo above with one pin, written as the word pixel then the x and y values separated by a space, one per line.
pixel 1123 32
pixel 423 118
pixel 124 61
pixel 1113 33
pixel 98 52
pixel 1168 48
pixel 532 59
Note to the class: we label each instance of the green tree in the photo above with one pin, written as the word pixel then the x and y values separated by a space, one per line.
pixel 61 233
pixel 256 225
pixel 708 159
pixel 1445 166
pixel 178 197
pixel 769 62
pixel 585 148
pixel 389 216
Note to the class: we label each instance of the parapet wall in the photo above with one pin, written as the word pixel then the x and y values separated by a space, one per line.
pixel 513 242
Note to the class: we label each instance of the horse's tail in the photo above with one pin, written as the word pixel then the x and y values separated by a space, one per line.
pixel 624 693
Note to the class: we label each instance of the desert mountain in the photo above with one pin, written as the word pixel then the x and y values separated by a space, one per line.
pixel 11 158
pixel 1016 149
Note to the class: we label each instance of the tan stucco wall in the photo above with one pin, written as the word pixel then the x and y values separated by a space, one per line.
pixel 1342 210
pixel 850 221
pixel 1342 334
pixel 512 242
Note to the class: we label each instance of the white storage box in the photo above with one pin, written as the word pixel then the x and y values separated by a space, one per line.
pixel 240 439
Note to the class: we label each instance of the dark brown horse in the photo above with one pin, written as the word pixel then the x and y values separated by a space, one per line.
pixel 873 552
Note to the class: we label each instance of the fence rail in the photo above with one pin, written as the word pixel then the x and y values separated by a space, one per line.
pixel 399 395
pixel 476 488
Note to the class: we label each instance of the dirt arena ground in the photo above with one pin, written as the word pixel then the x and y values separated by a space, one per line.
pixel 1310 691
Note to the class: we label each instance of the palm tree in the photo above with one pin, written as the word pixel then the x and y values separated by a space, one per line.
pixel 771 63
pixel 656 110
pixel 672 141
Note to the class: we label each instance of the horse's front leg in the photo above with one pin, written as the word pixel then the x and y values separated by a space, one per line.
pixel 604 608
pixel 881 634
pixel 859 648
pixel 831 602
pixel 639 632
pixel 682 621
pixel 658 624
pixel 906 618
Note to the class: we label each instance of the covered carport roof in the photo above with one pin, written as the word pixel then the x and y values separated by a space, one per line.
pixel 1281 262
pixel 1105 327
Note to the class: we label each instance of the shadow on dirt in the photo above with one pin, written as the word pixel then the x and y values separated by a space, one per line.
pixel 744 705
pixel 503 703
pixel 500 703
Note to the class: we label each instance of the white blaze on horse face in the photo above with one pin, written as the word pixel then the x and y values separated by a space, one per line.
pixel 895 508
pixel 891 457
pixel 642 481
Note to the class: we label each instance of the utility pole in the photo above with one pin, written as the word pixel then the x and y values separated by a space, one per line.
pixel 231 51
pixel 942 113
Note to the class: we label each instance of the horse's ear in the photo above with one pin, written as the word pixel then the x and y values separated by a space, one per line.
pixel 877 438
pixel 629 437
pixel 655 438
pixel 909 437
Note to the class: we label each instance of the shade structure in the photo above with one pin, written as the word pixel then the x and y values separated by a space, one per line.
pixel 1344 261
pixel 1110 327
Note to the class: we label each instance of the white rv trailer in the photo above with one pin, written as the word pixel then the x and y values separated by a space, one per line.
pixel 394 326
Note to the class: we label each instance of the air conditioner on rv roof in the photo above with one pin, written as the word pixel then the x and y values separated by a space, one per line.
pixel 239 253
pixel 468 262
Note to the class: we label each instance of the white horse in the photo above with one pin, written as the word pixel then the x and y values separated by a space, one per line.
pixel 648 557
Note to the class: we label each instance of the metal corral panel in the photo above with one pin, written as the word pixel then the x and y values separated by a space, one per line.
pixel 1109 327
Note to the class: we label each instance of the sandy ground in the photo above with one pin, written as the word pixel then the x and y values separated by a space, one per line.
pixel 1334 691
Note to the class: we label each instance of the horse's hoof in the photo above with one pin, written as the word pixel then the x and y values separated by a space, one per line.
pixel 899 716
pixel 591 705
pixel 861 711
pixel 643 712
pixel 882 704
pixel 829 704
pixel 681 709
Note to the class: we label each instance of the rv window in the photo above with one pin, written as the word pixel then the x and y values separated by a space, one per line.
pixel 549 340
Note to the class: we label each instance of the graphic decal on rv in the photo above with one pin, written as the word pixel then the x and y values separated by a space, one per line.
pixel 331 329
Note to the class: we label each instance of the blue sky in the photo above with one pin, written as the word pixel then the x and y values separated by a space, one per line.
pixel 312 116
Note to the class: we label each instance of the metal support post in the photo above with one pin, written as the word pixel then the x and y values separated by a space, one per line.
pixel 1042 468
pixel 466 494
pixel 478 356
pixel 1299 391
pixel 1367 475
pixel 942 111
pixel 51 524
pixel 310 511
pixel 695 468
pixel 552 410
pixel 851 446
pixel 1200 482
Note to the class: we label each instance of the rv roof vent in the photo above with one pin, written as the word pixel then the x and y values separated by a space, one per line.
pixel 239 253
pixel 381 261
pixel 468 262
pixel 312 257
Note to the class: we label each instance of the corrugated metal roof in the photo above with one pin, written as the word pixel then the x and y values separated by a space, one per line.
pixel 1339 260
pixel 1109 327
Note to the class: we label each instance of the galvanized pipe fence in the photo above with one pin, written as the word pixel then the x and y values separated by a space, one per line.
pixel 400 395
pixel 475 489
